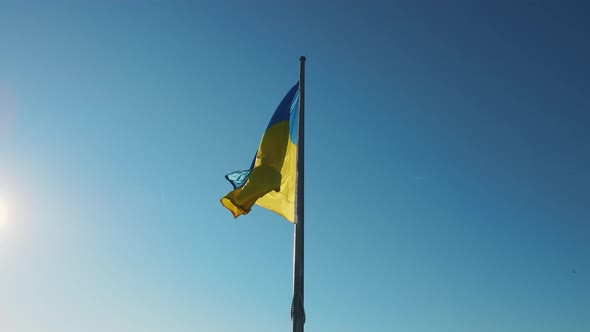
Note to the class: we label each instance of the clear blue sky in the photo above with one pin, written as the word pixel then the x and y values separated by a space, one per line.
pixel 448 159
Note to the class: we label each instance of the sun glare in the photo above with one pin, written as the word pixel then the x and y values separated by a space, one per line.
pixel 2 213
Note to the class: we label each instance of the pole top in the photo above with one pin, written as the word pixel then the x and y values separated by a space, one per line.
pixel 302 58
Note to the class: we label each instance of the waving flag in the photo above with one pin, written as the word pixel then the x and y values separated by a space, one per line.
pixel 271 180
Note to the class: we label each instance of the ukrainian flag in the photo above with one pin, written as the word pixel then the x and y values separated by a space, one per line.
pixel 272 178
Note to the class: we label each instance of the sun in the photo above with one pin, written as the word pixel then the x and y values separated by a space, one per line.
pixel 3 212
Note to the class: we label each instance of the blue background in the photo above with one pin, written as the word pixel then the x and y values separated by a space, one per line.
pixel 447 165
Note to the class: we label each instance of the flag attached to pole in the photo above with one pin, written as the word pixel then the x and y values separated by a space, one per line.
pixel 271 180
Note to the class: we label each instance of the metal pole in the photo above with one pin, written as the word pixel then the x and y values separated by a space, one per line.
pixel 297 311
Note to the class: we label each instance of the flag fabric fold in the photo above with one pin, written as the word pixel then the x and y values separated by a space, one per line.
pixel 271 180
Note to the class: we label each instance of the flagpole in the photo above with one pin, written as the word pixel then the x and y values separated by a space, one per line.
pixel 297 310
